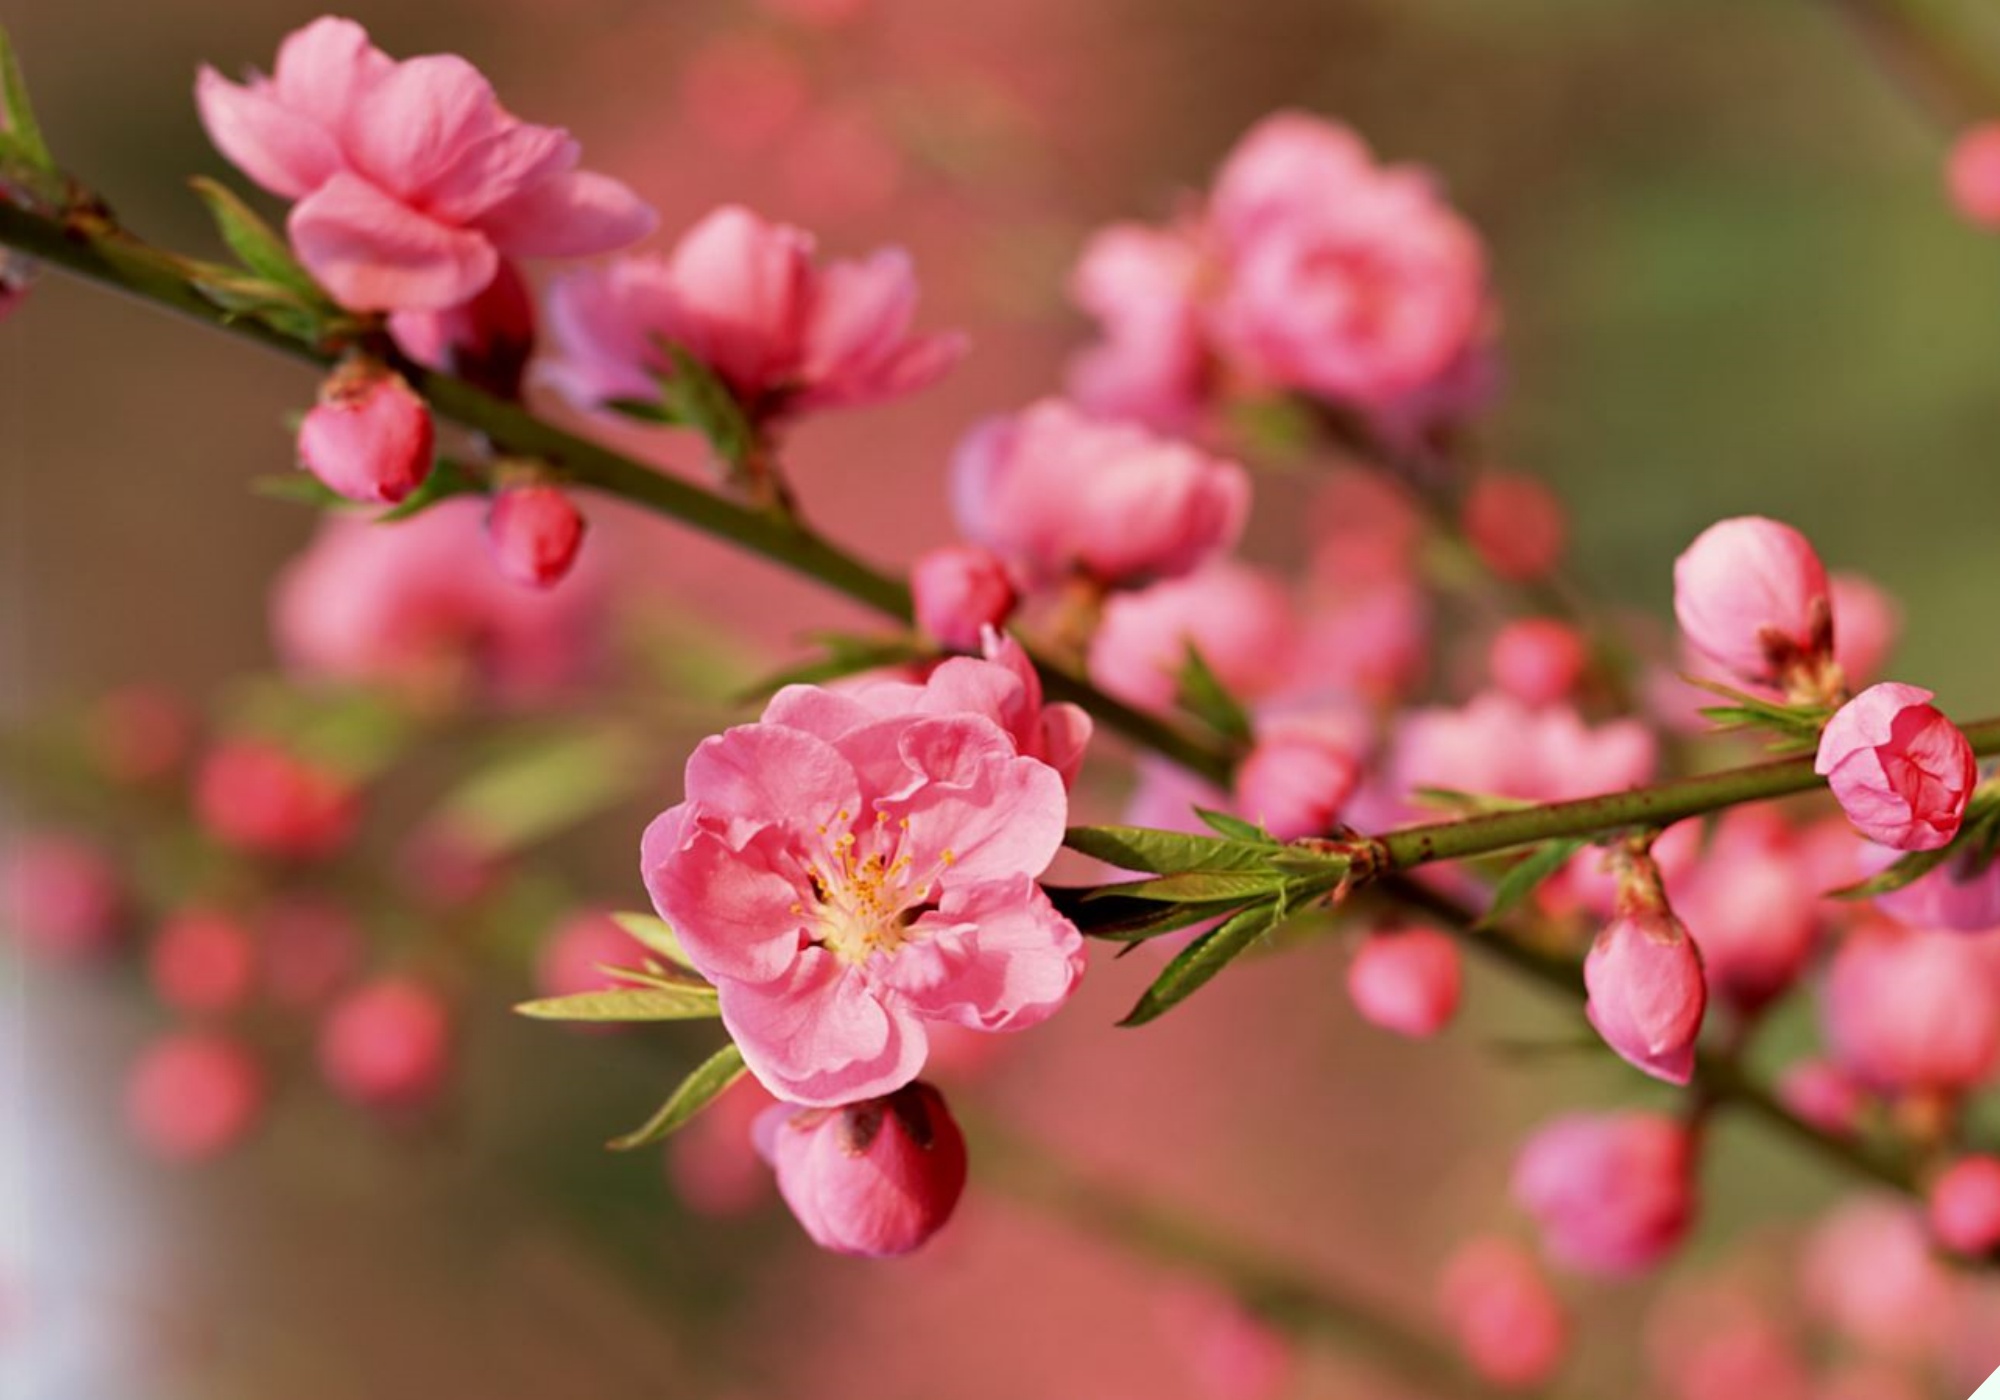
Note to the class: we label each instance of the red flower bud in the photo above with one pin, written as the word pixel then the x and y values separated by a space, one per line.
pixel 535 532
pixel 369 437
pixel 387 1045
pixel 194 1095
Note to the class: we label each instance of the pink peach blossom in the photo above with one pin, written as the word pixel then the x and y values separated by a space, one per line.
pixel 1647 993
pixel 1902 771
pixel 203 960
pixel 1868 1272
pixel 369 437
pixel 958 592
pixel 1752 596
pixel 1753 913
pixel 1495 745
pixel 1506 1317
pixel 1056 492
pixel 387 1045
pixel 535 531
pixel 1406 981
pixel 1152 365
pixel 1612 1192
pixel 846 877
pixel 1516 525
pixel 193 1095
pixel 1366 528
pixel 745 297
pixel 876 1178
pixel 1370 641
pixel 1538 660
pixel 1297 777
pixel 1238 617
pixel 1972 175
pixel 411 181
pixel 258 796
pixel 1965 1206
pixel 1912 1011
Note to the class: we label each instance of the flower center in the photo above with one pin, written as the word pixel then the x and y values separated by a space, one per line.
pixel 866 888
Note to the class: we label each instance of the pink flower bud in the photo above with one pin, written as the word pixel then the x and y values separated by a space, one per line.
pixel 535 532
pixel 311 949
pixel 1902 771
pixel 1965 1206
pixel 1647 992
pixel 1613 1193
pixel 1752 911
pixel 1868 1272
pixel 1751 595
pixel 369 437
pixel 1818 1092
pixel 875 1178
pixel 960 590
pixel 1297 778
pixel 1516 525
pixel 1508 1321
pixel 1865 623
pixel 61 897
pixel 193 1096
pixel 1972 175
pixel 1913 1011
pixel 387 1045
pixel 1406 981
pixel 258 797
pixel 575 956
pixel 1538 660
pixel 203 961
pixel 1237 617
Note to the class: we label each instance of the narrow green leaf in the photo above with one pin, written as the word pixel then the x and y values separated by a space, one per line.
pixel 1907 870
pixel 300 488
pixel 1099 912
pixel 1202 694
pixel 1525 876
pixel 447 479
pixel 855 656
pixel 23 129
pixel 260 248
pixel 680 1002
pixel 1165 852
pixel 1201 887
pixel 1234 827
pixel 643 410
pixel 1195 964
pixel 696 1092
pixel 655 935
pixel 695 395
pixel 534 790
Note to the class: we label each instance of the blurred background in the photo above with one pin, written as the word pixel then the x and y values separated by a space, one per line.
pixel 1730 284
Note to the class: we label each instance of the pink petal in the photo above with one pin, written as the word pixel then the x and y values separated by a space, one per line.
pixel 820 1036
pixel 569 215
pixel 376 254
pixel 284 152
pixel 420 123
pixel 1002 959
pixel 766 775
pixel 738 910
pixel 996 813
pixel 325 70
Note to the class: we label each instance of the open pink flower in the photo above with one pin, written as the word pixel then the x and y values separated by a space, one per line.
pixel 1902 771
pixel 1152 366
pixel 412 180
pixel 845 878
pixel 1496 745
pixel 746 298
pixel 1237 616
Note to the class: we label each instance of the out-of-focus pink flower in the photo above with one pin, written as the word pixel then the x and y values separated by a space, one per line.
pixel 1912 1011
pixel 712 1161
pixel 1965 1206
pixel 1902 771
pixel 1365 529
pixel 387 1045
pixel 1371 641
pixel 311 947
pixel 1866 622
pixel 1972 175
pixel 1406 981
pixel 140 733
pixel 1236 616
pixel 1056 492
pixel 1752 596
pixel 876 1178
pixel 846 876
pixel 1647 993
pixel 1152 364
pixel 202 961
pixel 1343 278
pixel 1538 660
pixel 487 340
pixel 418 605
pixel 1296 778
pixel 1752 912
pixel 1229 1353
pixel 1820 1093
pixel 743 92
pixel 535 531
pixel 194 1095
pixel 1508 1321
pixel 1963 895
pixel 369 437
pixel 1516 525
pixel 61 896
pixel 576 953
pixel 959 591
pixel 258 796
pixel 1612 1192
pixel 746 298
pixel 1715 1342
pixel 1497 746
pixel 1867 1271
pixel 412 180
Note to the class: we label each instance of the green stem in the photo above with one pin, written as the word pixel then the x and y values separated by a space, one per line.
pixel 1915 52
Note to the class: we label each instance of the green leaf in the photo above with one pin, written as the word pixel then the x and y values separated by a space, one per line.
pixel 300 488
pixel 447 479
pixel 695 395
pixel 1100 912
pixel 644 410
pixel 1907 870
pixel 256 244
pixel 677 1002
pixel 1234 827
pixel 23 130
pixel 1201 887
pixel 655 935
pixel 846 656
pixel 248 297
pixel 1166 852
pixel 696 1092
pixel 1195 964
pixel 1525 876
pixel 533 791
pixel 1202 694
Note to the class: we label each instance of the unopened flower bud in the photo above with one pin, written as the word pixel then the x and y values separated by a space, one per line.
pixel 1538 660
pixel 1508 1321
pixel 1965 1206
pixel 258 797
pixel 1406 981
pixel 203 960
pixel 369 437
pixel 1972 174
pixel 1902 771
pixel 1916 1011
pixel 387 1045
pixel 1820 1093
pixel 535 531
pixel 1613 1193
pixel 1752 596
pixel 1647 992
pixel 960 590
pixel 194 1095
pixel 875 1178
pixel 1515 524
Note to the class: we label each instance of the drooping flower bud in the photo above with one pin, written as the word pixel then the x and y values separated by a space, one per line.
pixel 1613 1193
pixel 960 590
pixel 1972 175
pixel 1297 778
pixel 535 531
pixel 1515 524
pixel 387 1045
pixel 258 797
pixel 203 960
pixel 1406 981
pixel 1647 992
pixel 1965 1206
pixel 194 1095
pixel 1917 1011
pixel 876 1178
pixel 1752 596
pixel 369 437
pixel 1538 660
pixel 1902 771
pixel 1509 1323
